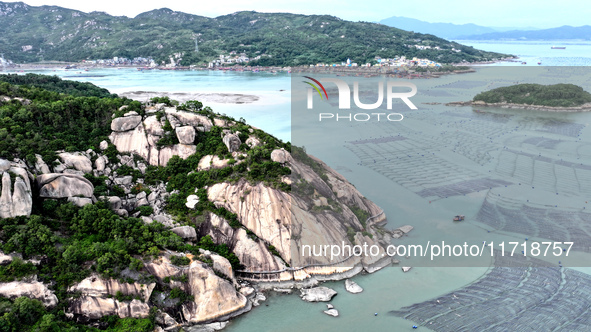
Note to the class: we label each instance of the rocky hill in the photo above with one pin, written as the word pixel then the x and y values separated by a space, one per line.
pixel 29 34
pixel 178 217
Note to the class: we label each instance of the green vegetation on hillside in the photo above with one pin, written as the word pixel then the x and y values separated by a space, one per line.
pixel 56 33
pixel 557 95
pixel 49 119
pixel 56 84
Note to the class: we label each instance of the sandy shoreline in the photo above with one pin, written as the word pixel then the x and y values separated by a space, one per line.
pixel 219 98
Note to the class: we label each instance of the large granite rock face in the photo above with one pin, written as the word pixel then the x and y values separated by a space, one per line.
pixel 264 211
pixel 6 197
pixel 34 290
pixel 286 221
pixel 185 134
pixel 134 140
pixel 232 142
pixel 252 254
pixel 15 200
pixel 214 297
pixel 56 185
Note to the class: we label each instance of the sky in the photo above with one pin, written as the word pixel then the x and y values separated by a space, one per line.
pixel 497 13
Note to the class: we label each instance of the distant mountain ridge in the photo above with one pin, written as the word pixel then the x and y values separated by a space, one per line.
pixel 443 30
pixel 564 32
pixel 29 34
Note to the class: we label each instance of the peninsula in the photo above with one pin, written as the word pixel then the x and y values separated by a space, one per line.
pixel 155 216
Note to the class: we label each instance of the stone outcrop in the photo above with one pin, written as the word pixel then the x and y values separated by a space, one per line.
pixel 15 199
pixel 209 161
pixel 253 254
pixel 317 294
pixel 400 231
pixel 264 211
pixel 281 156
pixel 134 140
pixel 34 290
pixel 200 122
pixel 214 298
pixel 192 200
pixel 181 150
pixel 98 300
pixel 4 165
pixel 252 142
pixel 95 286
pixel 185 134
pixel 87 308
pixel 80 201
pixel 186 232
pixel 40 165
pixel 286 221
pixel 220 264
pixel 6 197
pixel 352 287
pixel 125 123
pixel 232 142
pixel 56 185
pixel 76 160
pixel 332 312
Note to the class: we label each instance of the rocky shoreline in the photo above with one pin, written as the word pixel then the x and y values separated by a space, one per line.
pixel 582 108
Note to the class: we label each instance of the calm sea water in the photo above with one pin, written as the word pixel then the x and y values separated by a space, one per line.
pixel 576 53
pixel 386 290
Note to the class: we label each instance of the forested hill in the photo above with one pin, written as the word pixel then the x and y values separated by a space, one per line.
pixel 29 34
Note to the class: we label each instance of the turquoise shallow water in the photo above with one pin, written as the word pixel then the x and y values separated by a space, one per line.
pixel 391 289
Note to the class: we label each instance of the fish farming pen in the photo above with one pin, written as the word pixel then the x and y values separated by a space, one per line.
pixel 510 297
pixel 539 221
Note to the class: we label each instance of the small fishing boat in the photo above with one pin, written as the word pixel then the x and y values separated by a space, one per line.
pixel 459 217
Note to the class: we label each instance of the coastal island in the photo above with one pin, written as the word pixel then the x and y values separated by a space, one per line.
pixel 129 216
pixel 553 98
